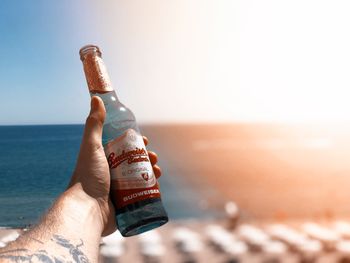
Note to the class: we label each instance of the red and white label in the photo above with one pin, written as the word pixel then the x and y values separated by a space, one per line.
pixel 132 177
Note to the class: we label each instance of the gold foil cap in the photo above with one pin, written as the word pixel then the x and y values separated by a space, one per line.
pixel 89 49
pixel 95 70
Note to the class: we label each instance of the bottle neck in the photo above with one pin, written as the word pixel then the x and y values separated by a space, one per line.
pixel 96 73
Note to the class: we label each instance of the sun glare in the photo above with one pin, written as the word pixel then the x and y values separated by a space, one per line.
pixel 284 61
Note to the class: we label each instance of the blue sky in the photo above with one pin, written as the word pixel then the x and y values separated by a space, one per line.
pixel 40 71
pixel 178 61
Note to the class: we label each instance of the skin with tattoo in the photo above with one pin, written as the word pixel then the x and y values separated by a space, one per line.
pixel 72 228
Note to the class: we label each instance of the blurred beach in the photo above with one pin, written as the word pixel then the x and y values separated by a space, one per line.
pixel 284 177
pixel 296 171
pixel 202 241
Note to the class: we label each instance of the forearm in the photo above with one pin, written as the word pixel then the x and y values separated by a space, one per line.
pixel 70 231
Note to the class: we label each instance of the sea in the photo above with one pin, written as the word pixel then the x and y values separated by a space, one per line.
pixel 36 163
pixel 268 170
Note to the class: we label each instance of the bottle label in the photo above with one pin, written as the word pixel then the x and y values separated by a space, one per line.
pixel 132 177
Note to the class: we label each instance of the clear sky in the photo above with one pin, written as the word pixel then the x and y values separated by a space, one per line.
pixel 178 61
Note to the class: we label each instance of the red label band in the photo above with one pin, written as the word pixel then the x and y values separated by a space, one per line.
pixel 137 155
pixel 125 197
pixel 132 176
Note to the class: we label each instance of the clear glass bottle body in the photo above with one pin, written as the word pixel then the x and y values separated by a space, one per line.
pixel 140 216
pixel 134 190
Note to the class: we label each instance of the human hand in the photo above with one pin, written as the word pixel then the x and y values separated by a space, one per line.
pixel 92 171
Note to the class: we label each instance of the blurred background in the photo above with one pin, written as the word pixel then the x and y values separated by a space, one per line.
pixel 245 102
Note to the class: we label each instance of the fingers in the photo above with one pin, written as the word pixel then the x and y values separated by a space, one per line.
pixel 145 140
pixel 157 171
pixel 94 122
pixel 153 157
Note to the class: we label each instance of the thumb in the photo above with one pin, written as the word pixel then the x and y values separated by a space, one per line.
pixel 94 123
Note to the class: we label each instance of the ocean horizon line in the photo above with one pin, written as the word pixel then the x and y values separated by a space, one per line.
pixel 197 123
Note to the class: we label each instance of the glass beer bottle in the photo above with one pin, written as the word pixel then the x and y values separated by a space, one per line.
pixel 134 188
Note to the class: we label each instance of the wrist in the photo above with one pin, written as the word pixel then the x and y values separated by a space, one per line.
pixel 71 228
pixel 81 209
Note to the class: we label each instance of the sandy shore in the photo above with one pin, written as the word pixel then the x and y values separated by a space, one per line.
pixel 190 241
pixel 7 235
